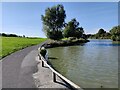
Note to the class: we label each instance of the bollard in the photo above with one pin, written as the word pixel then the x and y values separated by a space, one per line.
pixel 54 77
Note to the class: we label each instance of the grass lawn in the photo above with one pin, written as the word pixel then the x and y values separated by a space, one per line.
pixel 12 44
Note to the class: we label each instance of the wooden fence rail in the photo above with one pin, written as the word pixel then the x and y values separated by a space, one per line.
pixel 55 73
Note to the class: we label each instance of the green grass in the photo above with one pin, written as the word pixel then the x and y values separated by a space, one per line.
pixel 12 44
pixel 65 39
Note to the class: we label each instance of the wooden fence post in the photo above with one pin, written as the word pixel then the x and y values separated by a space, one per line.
pixel 39 57
pixel 54 77
pixel 42 64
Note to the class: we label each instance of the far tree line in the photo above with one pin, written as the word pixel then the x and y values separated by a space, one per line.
pixel 10 35
pixel 56 28
pixel 113 34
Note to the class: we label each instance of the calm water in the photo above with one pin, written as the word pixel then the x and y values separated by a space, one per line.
pixel 90 65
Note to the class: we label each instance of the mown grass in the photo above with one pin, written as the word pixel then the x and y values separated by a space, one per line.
pixel 12 44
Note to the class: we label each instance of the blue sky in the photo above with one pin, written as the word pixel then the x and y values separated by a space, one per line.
pixel 24 18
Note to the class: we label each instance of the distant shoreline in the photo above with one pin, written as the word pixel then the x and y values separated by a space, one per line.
pixel 62 43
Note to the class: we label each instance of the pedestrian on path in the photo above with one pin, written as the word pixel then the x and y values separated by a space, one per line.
pixel 44 53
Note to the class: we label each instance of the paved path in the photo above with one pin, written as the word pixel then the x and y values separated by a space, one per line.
pixel 19 67
pixel 12 69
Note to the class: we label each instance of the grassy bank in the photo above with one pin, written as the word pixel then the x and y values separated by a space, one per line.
pixel 12 44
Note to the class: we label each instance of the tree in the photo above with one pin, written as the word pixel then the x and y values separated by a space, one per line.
pixel 101 34
pixel 79 33
pixel 24 36
pixel 115 32
pixel 5 35
pixel 107 34
pixel 101 31
pixel 72 29
pixel 53 21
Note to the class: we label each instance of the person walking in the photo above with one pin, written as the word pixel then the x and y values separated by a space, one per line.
pixel 44 53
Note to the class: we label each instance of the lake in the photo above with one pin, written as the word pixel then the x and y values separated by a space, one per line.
pixel 90 65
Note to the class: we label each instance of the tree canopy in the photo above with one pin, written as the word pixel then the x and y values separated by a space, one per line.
pixel 54 21
pixel 101 34
pixel 72 29
pixel 115 32
pixel 101 31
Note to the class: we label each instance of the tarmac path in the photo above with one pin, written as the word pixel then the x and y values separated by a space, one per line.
pixel 17 68
pixel 22 69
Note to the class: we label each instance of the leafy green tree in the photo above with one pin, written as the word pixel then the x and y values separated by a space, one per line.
pixel 53 21
pixel 115 32
pixel 101 34
pixel 79 32
pixel 107 35
pixel 72 29
pixel 101 31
